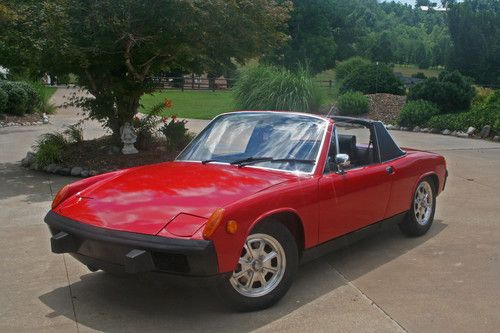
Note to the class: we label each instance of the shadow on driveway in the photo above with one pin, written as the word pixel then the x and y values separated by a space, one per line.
pixel 35 185
pixel 156 302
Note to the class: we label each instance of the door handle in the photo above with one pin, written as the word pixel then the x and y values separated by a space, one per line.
pixel 390 170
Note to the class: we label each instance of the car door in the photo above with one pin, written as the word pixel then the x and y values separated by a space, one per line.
pixel 353 199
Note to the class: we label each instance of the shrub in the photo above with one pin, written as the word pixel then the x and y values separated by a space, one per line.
pixel 372 78
pixel 344 68
pixel 450 91
pixel 272 88
pixel 17 98
pixel 22 97
pixel 352 103
pixel 417 113
pixel 3 100
pixel 74 133
pixel 49 149
pixel 419 75
pixel 175 132
pixel 481 114
pixel 145 126
pixel 34 99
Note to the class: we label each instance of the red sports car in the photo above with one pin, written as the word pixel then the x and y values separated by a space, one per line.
pixel 252 196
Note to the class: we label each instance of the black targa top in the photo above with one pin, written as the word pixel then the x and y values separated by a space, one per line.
pixel 383 143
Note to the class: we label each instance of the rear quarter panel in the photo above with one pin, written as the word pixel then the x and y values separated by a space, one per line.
pixel 409 170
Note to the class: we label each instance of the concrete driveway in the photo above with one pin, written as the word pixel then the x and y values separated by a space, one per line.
pixel 447 280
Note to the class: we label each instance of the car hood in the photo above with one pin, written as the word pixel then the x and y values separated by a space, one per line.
pixel 145 199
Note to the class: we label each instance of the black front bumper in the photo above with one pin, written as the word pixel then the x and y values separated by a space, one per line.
pixel 115 250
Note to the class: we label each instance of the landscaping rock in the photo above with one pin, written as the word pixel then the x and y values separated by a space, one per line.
pixel 462 135
pixel 404 128
pixel 454 133
pixel 29 159
pixel 471 130
pixel 92 173
pixel 76 171
pixel 416 129
pixel 51 167
pixel 446 132
pixel 64 171
pixel 496 138
pixel 425 130
pixel 485 132
pixel 435 130
pixel 85 173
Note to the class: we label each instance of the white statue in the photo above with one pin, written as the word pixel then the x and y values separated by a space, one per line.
pixel 128 138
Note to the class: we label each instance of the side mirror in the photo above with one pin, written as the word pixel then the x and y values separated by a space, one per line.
pixel 342 161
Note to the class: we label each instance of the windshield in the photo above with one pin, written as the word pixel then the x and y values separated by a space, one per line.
pixel 280 141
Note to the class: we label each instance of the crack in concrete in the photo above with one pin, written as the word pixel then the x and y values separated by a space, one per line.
pixel 71 295
pixel 372 302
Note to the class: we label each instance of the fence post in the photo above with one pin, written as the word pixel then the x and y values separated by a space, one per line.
pixel 330 84
pixel 182 83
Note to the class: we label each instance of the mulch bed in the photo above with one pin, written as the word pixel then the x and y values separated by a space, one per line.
pixel 100 155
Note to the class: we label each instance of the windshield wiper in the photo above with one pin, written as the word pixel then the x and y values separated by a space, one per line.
pixel 209 161
pixel 252 160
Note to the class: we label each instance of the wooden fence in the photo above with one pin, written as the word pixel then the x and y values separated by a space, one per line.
pixel 194 82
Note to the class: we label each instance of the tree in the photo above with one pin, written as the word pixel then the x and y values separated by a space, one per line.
pixel 113 46
pixel 475 32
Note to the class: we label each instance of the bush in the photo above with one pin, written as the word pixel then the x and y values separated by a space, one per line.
pixel 272 88
pixel 176 132
pixel 485 113
pixel 352 103
pixel 3 100
pixel 344 68
pixel 372 78
pixel 49 149
pixel 417 113
pixel 17 98
pixel 22 98
pixel 34 99
pixel 419 75
pixel 450 91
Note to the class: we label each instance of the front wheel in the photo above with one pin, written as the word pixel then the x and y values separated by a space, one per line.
pixel 265 269
pixel 421 213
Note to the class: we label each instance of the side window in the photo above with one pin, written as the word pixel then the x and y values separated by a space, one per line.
pixel 356 141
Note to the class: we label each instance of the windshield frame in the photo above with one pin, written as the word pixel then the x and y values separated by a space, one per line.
pixel 316 159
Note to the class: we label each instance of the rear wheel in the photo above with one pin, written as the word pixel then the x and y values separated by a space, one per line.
pixel 421 213
pixel 265 269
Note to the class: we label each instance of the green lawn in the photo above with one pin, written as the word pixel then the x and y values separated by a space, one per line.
pixel 409 70
pixel 46 92
pixel 191 104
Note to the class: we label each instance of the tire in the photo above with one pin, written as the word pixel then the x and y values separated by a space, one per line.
pixel 421 213
pixel 271 239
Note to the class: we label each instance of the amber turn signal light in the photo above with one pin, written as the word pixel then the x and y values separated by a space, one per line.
pixel 60 196
pixel 232 227
pixel 213 222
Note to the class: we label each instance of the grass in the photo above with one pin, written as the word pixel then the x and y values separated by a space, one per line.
pixel 191 104
pixel 46 92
